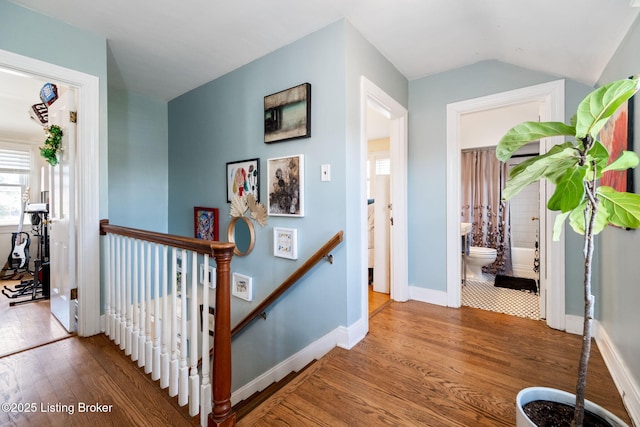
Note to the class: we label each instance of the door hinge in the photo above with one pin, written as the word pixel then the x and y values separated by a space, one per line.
pixel 74 293
pixel 73 116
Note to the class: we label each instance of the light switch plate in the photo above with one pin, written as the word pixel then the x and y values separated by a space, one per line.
pixel 325 173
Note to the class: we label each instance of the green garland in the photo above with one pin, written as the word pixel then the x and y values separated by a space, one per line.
pixel 52 144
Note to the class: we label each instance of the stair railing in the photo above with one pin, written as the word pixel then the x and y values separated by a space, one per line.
pixel 146 314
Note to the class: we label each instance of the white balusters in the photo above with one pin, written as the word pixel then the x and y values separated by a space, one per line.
pixel 205 388
pixel 152 312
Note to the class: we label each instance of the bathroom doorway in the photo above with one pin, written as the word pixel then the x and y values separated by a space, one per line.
pixel 508 282
pixel 552 272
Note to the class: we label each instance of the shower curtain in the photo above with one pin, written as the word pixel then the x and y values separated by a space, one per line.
pixel 483 178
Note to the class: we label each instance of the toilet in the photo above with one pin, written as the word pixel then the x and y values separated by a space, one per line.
pixel 478 257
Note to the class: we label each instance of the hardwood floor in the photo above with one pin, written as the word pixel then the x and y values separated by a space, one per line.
pixel 27 325
pixel 61 377
pixel 427 365
pixel 377 301
pixel 420 364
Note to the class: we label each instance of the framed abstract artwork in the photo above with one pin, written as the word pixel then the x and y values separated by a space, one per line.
pixel 287 114
pixel 617 136
pixel 285 182
pixel 243 177
pixel 242 286
pixel 285 242
pixel 205 223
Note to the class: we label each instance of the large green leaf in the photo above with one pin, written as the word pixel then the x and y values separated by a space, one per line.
pixel 600 154
pixel 540 167
pixel 557 225
pixel 525 165
pixel 569 190
pixel 623 208
pixel 627 160
pixel 594 110
pixel 527 132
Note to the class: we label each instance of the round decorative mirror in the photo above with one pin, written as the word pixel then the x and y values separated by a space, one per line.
pixel 242 233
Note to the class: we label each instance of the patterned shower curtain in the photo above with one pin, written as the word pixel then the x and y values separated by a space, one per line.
pixel 483 178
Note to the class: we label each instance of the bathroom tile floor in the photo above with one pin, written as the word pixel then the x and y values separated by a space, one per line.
pixel 482 294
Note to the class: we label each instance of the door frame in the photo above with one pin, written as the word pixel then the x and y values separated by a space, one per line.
pixel 552 272
pixel 372 95
pixel 87 256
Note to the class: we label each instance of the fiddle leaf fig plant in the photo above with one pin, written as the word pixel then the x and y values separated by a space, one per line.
pixel 575 167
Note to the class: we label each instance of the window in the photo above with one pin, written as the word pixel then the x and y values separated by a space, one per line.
pixel 15 169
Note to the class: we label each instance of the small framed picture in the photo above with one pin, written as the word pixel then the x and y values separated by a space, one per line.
pixel 286 186
pixel 241 286
pixel 287 114
pixel 211 320
pixel 205 223
pixel 243 177
pixel 211 279
pixel 285 242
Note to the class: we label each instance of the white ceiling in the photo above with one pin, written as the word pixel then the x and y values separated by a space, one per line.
pixel 165 48
pixel 162 50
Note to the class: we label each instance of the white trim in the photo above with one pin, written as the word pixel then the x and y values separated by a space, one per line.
pixel 428 295
pixel 628 388
pixel 87 203
pixel 341 336
pixel 553 274
pixel 370 94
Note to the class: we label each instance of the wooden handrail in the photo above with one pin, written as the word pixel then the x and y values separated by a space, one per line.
pixel 290 281
pixel 222 414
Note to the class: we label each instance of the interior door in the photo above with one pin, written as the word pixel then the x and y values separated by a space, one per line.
pixel 62 213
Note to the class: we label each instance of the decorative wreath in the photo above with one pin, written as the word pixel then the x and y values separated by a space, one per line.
pixel 52 145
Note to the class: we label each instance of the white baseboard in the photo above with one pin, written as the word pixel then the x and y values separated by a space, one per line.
pixel 345 337
pixel 428 295
pixel 573 324
pixel 627 387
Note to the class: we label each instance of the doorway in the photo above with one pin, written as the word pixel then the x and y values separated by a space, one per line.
pixel 378 107
pixel 86 258
pixel 552 286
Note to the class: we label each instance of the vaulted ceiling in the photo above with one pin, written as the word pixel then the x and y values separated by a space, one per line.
pixel 165 48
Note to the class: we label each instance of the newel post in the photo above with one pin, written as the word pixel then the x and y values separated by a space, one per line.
pixel 221 414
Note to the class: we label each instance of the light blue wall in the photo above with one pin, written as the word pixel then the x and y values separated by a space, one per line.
pixel 619 312
pixel 138 161
pixel 222 121
pixel 36 36
pixel 428 99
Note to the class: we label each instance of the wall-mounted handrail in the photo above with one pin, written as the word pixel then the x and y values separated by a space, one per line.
pixel 289 281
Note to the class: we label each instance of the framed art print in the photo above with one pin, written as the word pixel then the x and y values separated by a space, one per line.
pixel 285 242
pixel 205 223
pixel 617 136
pixel 287 114
pixel 242 286
pixel 243 177
pixel 285 182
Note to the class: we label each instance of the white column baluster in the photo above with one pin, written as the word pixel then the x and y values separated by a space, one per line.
pixel 173 376
pixel 146 339
pixel 129 329
pixel 205 388
pixel 135 330
pixel 155 375
pixel 166 325
pixel 183 390
pixel 123 292
pixel 194 379
pixel 140 306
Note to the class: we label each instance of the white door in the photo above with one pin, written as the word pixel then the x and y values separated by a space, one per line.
pixel 62 213
pixel 382 235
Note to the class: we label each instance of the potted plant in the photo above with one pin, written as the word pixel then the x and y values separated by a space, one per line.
pixel 575 167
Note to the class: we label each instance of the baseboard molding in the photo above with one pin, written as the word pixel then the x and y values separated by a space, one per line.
pixel 345 337
pixel 428 295
pixel 627 387
pixel 573 324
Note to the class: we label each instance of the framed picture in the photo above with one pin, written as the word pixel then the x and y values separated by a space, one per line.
pixel 211 320
pixel 285 183
pixel 243 177
pixel 241 286
pixel 211 272
pixel 205 223
pixel 285 242
pixel 287 114
pixel 617 136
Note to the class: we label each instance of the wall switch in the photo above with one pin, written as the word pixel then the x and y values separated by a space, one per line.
pixel 325 173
